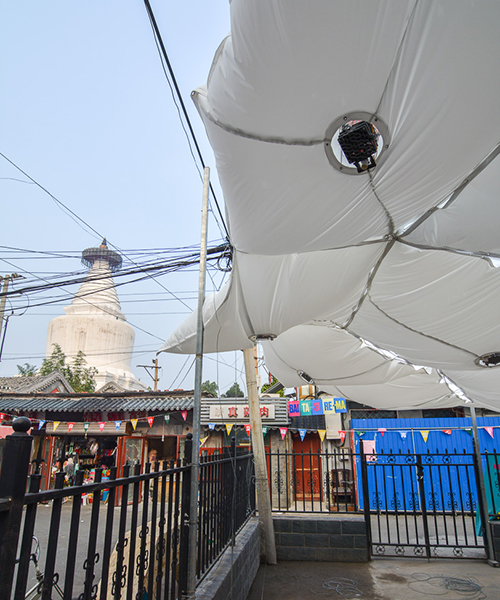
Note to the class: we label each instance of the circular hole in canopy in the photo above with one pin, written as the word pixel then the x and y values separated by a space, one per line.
pixel 492 359
pixel 336 154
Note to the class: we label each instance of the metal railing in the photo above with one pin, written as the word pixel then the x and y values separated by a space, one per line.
pixel 138 546
pixel 226 501
pixel 427 505
pixel 312 481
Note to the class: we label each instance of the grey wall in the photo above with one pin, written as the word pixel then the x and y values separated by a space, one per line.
pixel 236 570
pixel 334 539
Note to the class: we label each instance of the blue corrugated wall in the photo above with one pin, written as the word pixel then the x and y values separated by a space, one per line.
pixel 393 483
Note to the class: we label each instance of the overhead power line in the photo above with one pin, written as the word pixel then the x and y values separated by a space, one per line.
pixel 173 81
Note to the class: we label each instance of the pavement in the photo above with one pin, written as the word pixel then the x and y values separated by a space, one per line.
pixel 381 579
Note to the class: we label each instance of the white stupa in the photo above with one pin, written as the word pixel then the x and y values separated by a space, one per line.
pixel 95 324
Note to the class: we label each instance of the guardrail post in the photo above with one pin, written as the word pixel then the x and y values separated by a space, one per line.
pixel 185 516
pixel 13 477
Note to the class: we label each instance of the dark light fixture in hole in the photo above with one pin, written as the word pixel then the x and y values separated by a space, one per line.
pixel 304 376
pixel 492 359
pixel 359 144
pixel 359 125
pixel 263 337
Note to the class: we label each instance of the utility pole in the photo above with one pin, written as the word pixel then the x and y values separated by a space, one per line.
pixel 195 462
pixel 3 302
pixel 262 483
pixel 155 368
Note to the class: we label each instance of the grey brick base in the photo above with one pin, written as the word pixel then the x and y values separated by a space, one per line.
pixel 244 560
pixel 495 532
pixel 333 539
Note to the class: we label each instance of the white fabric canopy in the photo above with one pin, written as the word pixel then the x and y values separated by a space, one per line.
pixel 399 256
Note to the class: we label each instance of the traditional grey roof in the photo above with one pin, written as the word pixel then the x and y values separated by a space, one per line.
pixel 75 403
pixel 35 383
pixel 111 386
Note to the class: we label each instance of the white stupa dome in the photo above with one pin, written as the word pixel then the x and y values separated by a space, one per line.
pixel 95 324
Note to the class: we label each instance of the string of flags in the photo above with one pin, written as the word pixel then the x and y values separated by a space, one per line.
pixel 315 406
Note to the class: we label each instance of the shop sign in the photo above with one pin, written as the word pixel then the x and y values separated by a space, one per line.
pixel 239 412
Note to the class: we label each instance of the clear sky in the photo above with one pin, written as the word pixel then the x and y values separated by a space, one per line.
pixel 86 111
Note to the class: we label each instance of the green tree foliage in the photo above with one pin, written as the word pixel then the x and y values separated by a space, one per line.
pixel 268 385
pixel 234 392
pixel 211 387
pixel 27 370
pixel 79 375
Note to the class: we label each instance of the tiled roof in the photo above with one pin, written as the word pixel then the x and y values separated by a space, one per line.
pixel 32 383
pixel 137 401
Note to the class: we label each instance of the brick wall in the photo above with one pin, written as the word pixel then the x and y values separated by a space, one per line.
pixel 236 570
pixel 331 539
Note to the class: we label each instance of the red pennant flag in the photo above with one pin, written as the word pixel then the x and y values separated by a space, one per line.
pixel 447 431
pixel 489 430
pixel 342 435
pixel 247 429
pixel 283 431
pixel 184 414
pixel 101 426
pixel 151 421
pixel 382 431
pixel 70 426
pixel 2 416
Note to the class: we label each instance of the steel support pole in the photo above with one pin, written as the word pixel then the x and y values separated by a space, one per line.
pixel 263 499
pixel 483 503
pixel 195 462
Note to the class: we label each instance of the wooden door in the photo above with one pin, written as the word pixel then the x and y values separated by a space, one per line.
pixel 307 467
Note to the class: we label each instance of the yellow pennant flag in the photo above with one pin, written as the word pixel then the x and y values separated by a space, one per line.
pixel 203 440
pixel 55 425
pixel 229 426
pixel 134 423
pixel 322 433
pixel 425 435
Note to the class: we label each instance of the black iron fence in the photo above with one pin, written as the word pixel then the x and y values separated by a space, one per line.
pixel 429 505
pixel 131 542
pixel 313 481
pixel 226 501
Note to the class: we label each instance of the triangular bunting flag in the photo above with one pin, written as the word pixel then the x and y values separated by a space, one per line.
pixel 151 421
pixel 229 426
pixel 425 434
pixel 283 431
pixel 211 425
pixel 265 430
pixel 361 433
pixel 102 425
pixel 41 424
pixel 321 433
pixel 382 430
pixel 70 426
pixel 403 434
pixel 184 414
pixel 302 433
pixel 2 416
pixel 134 423
pixel 118 424
pixel 203 440
pixel 167 418
pixel 489 430
pixel 86 427
pixel 342 435
pixel 247 428
pixel 469 431
pixel 55 425
pixel 447 431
